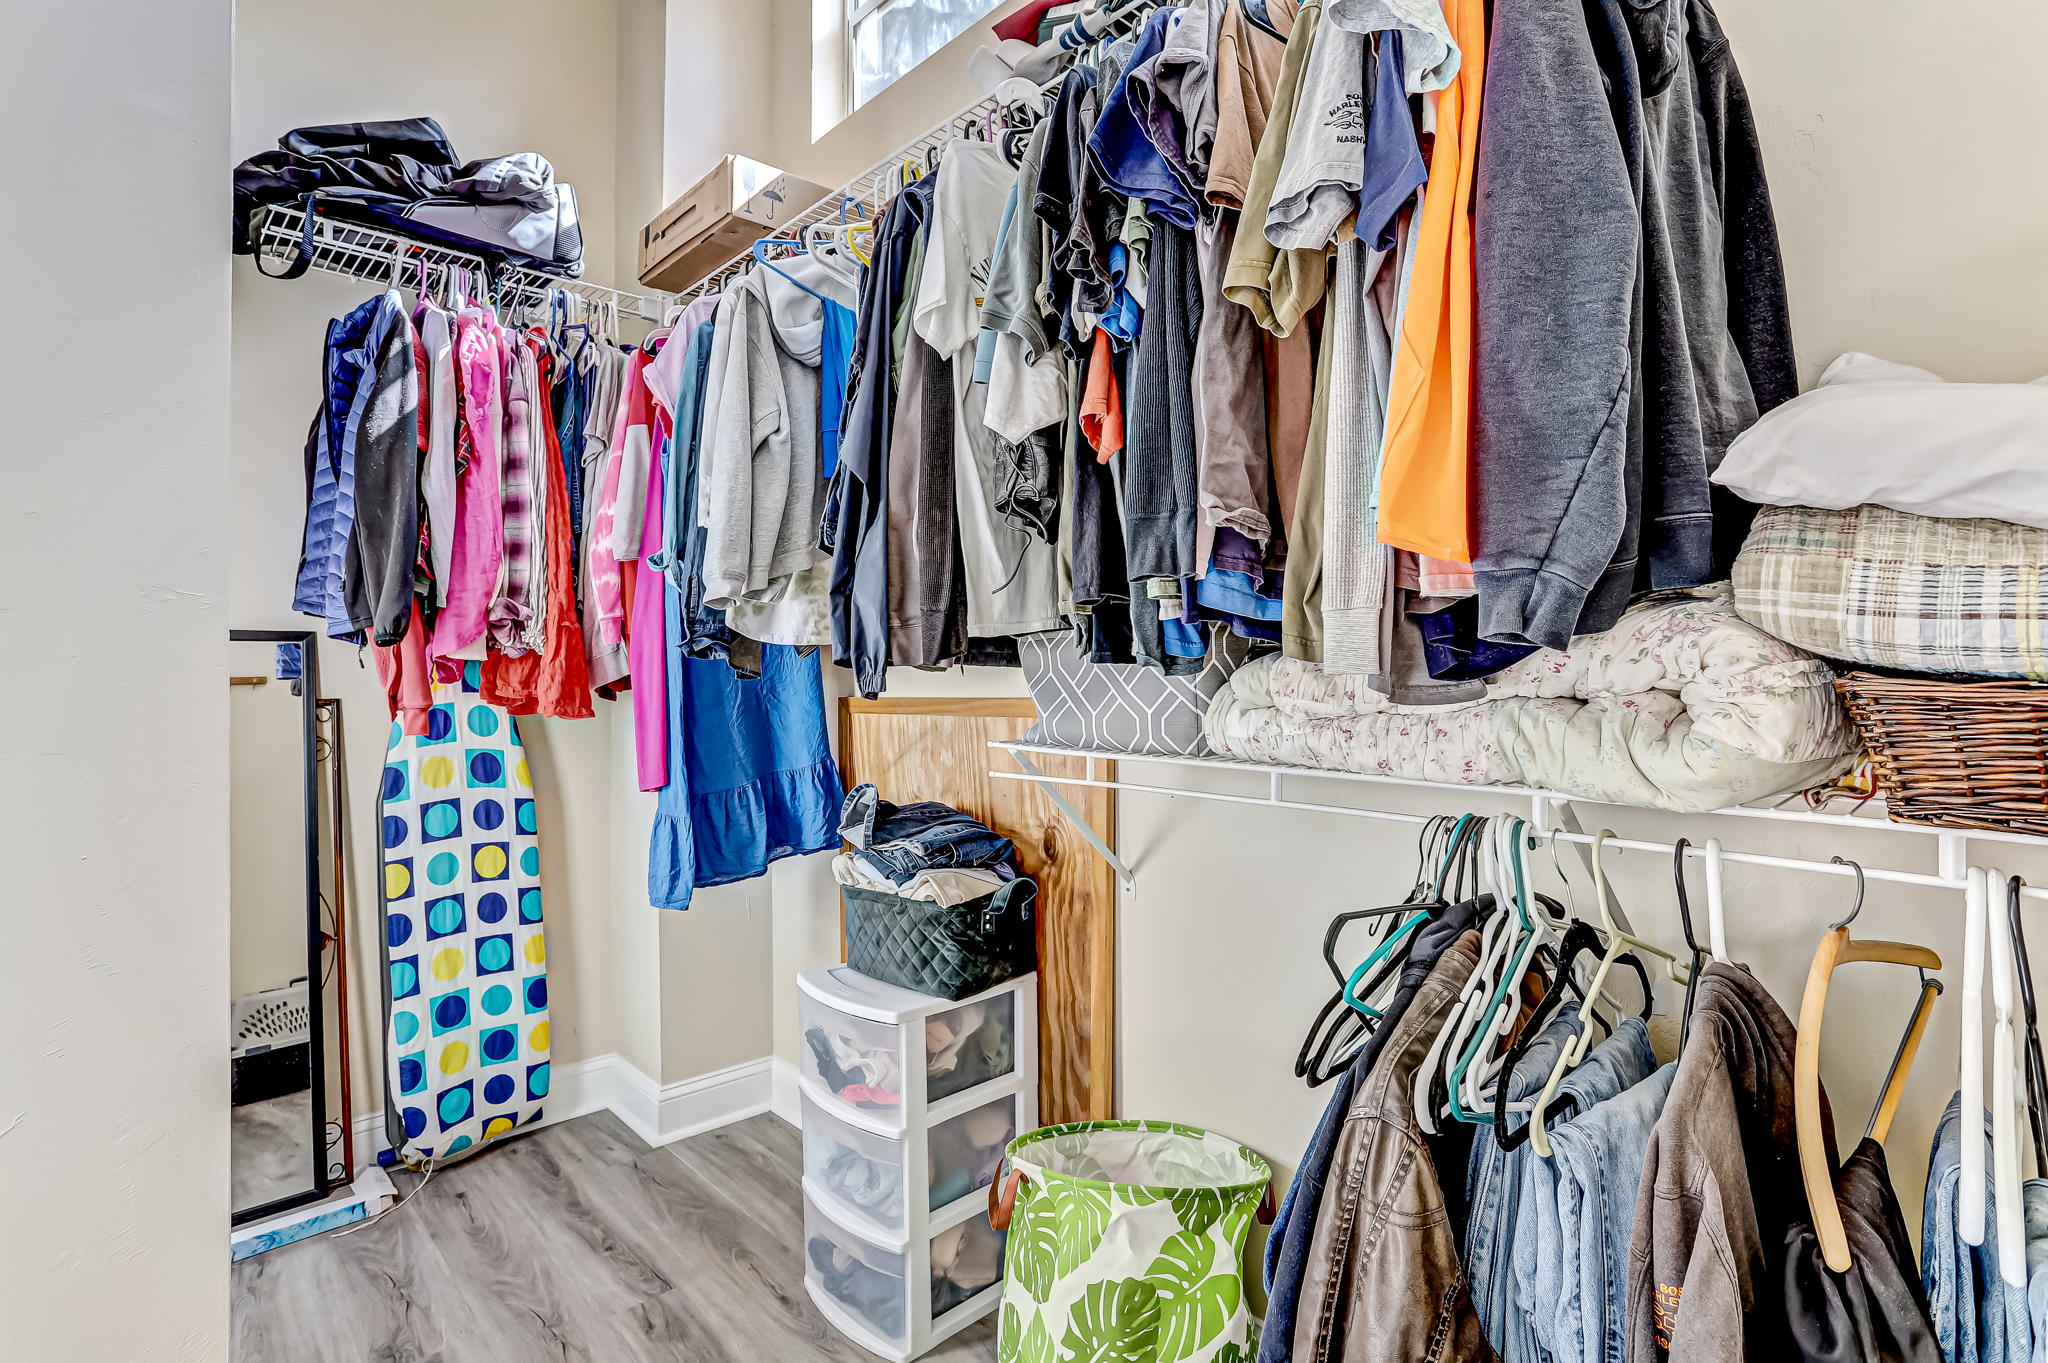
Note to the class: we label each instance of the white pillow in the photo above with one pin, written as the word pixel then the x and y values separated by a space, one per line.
pixel 1873 432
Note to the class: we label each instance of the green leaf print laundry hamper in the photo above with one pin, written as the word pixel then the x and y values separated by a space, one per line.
pixel 1127 1244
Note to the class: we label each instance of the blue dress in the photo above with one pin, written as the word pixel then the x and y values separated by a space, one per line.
pixel 750 772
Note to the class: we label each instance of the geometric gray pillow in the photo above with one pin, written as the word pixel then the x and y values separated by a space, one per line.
pixel 1122 707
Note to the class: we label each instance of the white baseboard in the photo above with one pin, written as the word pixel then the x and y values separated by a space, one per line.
pixel 656 1113
pixel 659 1114
pixel 785 1104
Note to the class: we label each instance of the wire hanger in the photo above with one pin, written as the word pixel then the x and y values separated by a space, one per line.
pixel 1619 943
pixel 1816 1161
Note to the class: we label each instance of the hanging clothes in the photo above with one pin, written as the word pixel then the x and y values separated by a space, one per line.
pixel 1425 469
pixel 1382 1280
pixel 1294 1226
pixel 859 517
pixel 554 679
pixel 748 776
pixel 1719 1193
pixel 362 515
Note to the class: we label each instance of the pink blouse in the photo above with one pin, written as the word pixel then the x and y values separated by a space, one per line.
pixel 479 531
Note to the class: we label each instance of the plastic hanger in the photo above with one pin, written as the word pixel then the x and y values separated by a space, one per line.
pixel 2005 1136
pixel 1699 955
pixel 1530 930
pixel 1619 943
pixel 2037 1071
pixel 1816 1163
pixel 760 254
pixel 1970 1205
pixel 1580 939
pixel 1337 1028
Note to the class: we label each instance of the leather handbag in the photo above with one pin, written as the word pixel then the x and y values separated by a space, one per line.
pixel 946 952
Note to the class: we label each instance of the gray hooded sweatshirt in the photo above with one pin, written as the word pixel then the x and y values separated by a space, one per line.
pixel 1632 320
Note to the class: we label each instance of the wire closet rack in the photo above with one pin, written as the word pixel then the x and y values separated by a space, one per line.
pixel 371 253
pixel 868 193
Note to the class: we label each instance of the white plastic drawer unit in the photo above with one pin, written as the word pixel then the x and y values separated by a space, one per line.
pixel 864 1287
pixel 861 1171
pixel 878 1052
pixel 965 1151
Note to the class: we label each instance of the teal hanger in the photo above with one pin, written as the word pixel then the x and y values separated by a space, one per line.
pixel 1509 981
pixel 1461 831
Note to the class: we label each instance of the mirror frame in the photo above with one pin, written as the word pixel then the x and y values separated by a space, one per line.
pixel 316 936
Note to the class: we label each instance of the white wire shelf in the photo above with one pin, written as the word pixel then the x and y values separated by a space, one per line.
pixel 1550 813
pixel 385 257
pixel 872 189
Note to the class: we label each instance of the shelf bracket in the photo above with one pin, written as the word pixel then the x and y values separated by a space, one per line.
pixel 1073 816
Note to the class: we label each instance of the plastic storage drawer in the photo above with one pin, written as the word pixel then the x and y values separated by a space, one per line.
pixel 857 1060
pixel 863 1283
pixel 878 1050
pixel 970 1045
pixel 966 1261
pixel 965 1151
pixel 859 1170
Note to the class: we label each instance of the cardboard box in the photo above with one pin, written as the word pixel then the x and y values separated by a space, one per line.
pixel 726 212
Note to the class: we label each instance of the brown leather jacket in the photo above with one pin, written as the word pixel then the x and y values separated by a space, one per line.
pixel 1383 1282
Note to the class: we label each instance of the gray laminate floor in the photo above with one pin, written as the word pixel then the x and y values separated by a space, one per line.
pixel 272 1149
pixel 574 1243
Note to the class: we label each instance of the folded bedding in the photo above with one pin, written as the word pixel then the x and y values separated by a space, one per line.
pixel 1682 706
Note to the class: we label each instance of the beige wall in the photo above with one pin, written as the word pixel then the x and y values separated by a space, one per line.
pixel 590 116
pixel 113 776
pixel 1911 230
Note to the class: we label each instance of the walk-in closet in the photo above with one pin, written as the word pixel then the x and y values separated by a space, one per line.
pixel 1025 681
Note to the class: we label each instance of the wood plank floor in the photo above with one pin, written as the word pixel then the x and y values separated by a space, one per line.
pixel 574 1243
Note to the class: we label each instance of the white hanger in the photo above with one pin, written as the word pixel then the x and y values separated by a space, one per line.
pixel 1970 1203
pixel 1494 944
pixel 1717 919
pixel 1618 944
pixel 2005 1135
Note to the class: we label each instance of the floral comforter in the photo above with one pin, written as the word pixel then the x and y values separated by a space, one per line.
pixel 1682 705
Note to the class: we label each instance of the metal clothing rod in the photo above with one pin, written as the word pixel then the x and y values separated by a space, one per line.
pixel 1551 811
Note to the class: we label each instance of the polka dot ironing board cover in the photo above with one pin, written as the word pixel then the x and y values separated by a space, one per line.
pixel 466 1046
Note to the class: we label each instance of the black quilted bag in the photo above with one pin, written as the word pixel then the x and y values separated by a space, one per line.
pixel 948 953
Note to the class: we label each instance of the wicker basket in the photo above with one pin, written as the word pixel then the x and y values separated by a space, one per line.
pixel 1956 754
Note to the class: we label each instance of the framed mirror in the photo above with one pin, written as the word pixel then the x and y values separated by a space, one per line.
pixel 288 1065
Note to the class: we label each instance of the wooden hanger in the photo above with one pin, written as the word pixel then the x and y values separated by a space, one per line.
pixel 1816 1169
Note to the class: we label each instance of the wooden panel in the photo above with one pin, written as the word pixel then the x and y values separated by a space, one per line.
pixel 938 750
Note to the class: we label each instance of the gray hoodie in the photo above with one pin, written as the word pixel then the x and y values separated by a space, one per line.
pixel 1632 319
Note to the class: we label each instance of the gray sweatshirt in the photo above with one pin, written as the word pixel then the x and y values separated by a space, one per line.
pixel 1634 316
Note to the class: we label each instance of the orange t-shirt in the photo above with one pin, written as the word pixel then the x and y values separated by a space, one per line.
pixel 1425 471
pixel 1102 403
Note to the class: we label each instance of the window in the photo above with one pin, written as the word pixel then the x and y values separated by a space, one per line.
pixel 888 37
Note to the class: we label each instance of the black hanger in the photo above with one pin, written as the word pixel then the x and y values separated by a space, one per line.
pixel 2037 1073
pixel 1339 1028
pixel 1700 955
pixel 1579 939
